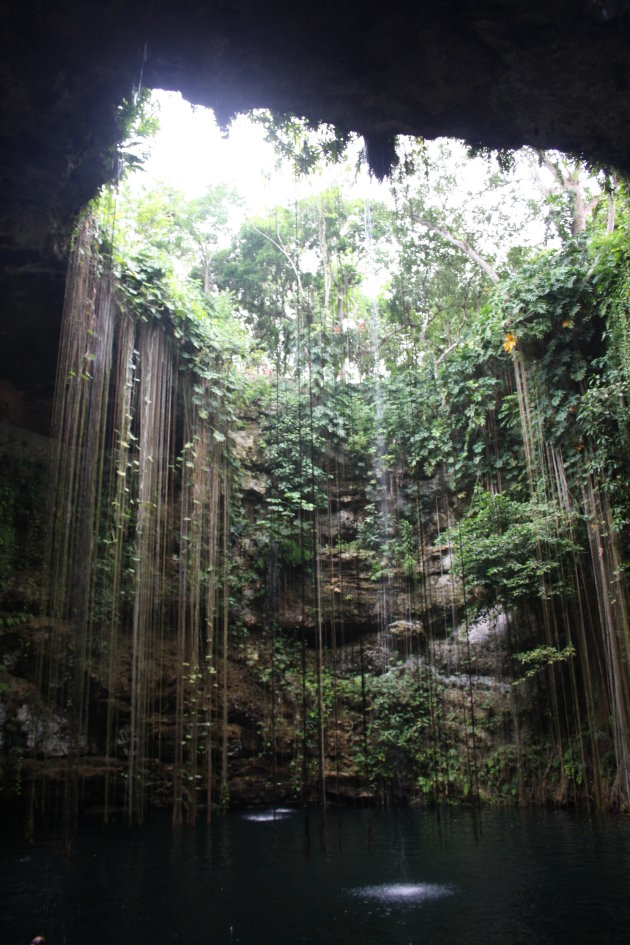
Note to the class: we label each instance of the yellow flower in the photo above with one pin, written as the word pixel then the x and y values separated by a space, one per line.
pixel 509 342
pixel 567 323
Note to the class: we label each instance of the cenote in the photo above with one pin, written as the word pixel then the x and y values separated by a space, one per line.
pixel 315 486
pixel 328 616
pixel 397 878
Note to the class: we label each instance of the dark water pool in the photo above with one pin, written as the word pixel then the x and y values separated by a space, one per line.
pixel 400 878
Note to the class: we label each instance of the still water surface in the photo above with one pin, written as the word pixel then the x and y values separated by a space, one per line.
pixel 400 878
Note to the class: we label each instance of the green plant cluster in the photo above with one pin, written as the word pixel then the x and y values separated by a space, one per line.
pixel 22 517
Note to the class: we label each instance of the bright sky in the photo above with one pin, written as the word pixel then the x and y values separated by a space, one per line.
pixel 189 152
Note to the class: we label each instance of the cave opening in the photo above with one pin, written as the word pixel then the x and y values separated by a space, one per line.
pixel 323 461
pixel 320 541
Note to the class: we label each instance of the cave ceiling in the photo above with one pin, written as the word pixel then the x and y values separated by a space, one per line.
pixel 501 73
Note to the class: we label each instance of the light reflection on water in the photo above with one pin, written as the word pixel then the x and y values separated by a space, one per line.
pixel 269 816
pixel 415 893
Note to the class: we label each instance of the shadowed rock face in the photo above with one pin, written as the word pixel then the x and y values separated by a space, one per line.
pixel 549 73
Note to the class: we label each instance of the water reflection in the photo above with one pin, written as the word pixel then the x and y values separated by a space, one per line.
pixel 404 892
pixel 269 816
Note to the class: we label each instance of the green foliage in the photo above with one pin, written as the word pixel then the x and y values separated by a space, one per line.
pixel 159 243
pixel 420 393
pixel 505 157
pixel 604 406
pixel 294 454
pixel 303 143
pixel 511 549
pixel 137 121
pixel 533 661
pixel 22 514
pixel 400 750
pixel 499 775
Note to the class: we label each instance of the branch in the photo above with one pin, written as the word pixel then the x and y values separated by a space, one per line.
pixel 555 168
pixel 284 252
pixel 464 246
pixel 446 351
pixel 610 223
pixel 569 182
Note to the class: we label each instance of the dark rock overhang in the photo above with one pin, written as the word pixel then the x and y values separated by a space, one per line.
pixel 500 73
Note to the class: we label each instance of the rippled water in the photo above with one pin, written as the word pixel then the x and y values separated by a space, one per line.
pixel 357 878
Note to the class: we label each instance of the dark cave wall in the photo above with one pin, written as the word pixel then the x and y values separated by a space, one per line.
pixel 549 73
